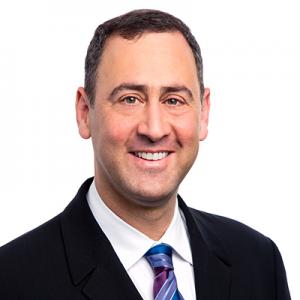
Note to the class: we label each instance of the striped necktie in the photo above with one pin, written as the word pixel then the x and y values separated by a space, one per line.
pixel 165 285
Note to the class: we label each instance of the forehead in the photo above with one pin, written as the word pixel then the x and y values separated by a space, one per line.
pixel 153 59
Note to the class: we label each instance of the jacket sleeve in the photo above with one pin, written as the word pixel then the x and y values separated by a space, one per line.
pixel 282 289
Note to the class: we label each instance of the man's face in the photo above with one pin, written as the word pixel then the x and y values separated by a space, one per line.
pixel 147 119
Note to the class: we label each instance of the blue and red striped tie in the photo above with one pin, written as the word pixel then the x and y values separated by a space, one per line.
pixel 165 285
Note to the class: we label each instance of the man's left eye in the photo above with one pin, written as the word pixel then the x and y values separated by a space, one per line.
pixel 173 101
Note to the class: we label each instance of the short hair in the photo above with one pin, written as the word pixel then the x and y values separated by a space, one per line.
pixel 129 26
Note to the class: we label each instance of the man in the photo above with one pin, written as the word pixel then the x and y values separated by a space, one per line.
pixel 127 234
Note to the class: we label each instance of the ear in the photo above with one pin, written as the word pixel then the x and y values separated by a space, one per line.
pixel 82 113
pixel 204 115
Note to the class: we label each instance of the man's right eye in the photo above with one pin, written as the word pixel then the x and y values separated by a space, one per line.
pixel 130 100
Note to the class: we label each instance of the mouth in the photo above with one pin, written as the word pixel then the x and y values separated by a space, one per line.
pixel 152 156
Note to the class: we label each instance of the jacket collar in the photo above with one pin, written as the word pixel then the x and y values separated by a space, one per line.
pixel 96 269
pixel 211 267
pixel 93 264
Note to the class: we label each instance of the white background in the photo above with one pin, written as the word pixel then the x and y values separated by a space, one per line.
pixel 248 168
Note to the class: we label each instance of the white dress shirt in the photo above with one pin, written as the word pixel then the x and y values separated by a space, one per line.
pixel 130 245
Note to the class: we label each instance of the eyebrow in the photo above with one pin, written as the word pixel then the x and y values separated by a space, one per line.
pixel 177 89
pixel 127 86
pixel 143 89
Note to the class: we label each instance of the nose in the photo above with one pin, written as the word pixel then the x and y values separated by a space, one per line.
pixel 154 124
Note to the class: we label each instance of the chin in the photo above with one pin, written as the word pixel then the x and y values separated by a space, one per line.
pixel 153 196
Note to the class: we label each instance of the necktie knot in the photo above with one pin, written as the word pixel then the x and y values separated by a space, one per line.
pixel 160 258
pixel 165 285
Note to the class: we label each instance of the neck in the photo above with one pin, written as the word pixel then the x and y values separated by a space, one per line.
pixel 153 221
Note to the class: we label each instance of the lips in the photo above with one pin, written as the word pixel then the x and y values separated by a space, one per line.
pixel 151 155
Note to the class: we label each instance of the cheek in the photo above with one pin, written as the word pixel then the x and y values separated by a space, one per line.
pixel 187 130
pixel 116 129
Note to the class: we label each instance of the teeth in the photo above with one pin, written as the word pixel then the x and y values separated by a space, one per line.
pixel 152 156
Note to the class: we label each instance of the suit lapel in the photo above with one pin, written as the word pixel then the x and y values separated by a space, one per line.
pixel 96 270
pixel 211 270
pixel 110 283
pixel 94 266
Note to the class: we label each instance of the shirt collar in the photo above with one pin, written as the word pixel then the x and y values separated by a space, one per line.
pixel 130 244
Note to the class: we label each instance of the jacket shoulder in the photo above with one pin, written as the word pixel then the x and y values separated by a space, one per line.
pixel 34 240
pixel 30 258
pixel 254 258
pixel 237 239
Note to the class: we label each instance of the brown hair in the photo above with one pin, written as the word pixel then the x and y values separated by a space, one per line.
pixel 131 25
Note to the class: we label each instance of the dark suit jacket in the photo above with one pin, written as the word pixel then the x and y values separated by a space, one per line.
pixel 69 257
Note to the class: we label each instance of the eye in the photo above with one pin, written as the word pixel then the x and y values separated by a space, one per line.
pixel 130 100
pixel 174 102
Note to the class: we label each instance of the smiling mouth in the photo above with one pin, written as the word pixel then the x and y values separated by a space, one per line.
pixel 152 155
